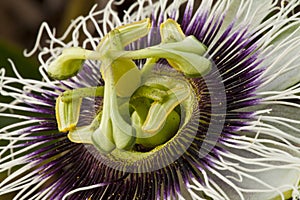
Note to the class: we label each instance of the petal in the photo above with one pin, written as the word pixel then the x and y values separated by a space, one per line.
pixel 279 112
pixel 250 12
pixel 283 61
pixel 248 173
pixel 286 119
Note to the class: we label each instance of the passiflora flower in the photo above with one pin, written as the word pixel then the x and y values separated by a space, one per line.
pixel 174 101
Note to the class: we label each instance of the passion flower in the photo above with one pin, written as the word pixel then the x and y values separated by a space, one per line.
pixel 199 104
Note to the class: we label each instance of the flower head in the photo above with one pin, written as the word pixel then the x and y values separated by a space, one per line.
pixel 162 104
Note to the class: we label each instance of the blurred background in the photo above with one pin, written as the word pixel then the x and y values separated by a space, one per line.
pixel 20 21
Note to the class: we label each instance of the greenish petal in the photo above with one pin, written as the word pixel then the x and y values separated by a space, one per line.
pixel 253 11
pixel 283 59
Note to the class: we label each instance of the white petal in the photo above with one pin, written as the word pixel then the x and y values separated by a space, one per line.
pixel 279 179
pixel 281 114
pixel 280 41
pixel 243 174
pixel 282 180
pixel 282 62
pixel 285 118
pixel 250 12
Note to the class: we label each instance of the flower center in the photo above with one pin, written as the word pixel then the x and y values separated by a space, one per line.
pixel 142 109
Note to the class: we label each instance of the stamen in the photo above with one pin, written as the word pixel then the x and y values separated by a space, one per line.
pixel 84 134
pixel 67 114
pixel 69 63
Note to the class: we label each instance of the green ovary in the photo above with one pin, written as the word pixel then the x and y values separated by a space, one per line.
pixel 169 129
